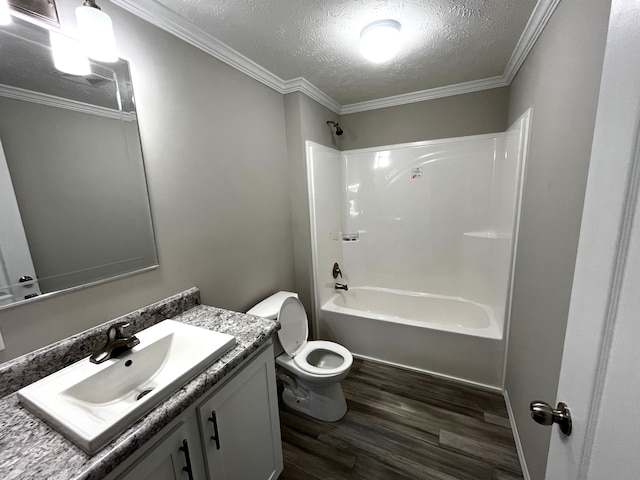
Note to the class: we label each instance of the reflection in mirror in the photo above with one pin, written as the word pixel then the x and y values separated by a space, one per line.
pixel 74 208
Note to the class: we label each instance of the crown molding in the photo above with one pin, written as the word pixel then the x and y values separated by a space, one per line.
pixel 171 22
pixel 301 84
pixel 166 19
pixel 59 102
pixel 413 97
pixel 537 21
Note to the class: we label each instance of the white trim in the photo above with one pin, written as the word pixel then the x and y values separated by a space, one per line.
pixel 539 17
pixel 516 437
pixel 171 22
pixel 301 84
pixel 421 96
pixel 59 102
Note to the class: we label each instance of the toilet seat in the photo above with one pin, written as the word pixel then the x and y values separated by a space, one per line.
pixel 294 329
pixel 293 335
pixel 301 357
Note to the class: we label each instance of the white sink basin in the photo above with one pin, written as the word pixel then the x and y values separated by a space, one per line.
pixel 91 404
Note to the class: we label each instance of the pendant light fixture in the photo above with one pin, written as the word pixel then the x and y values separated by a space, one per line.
pixel 380 41
pixel 68 54
pixel 5 16
pixel 96 32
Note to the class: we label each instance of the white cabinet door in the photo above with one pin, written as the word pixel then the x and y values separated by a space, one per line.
pixel 178 456
pixel 241 425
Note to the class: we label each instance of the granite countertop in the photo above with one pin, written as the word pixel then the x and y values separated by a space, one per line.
pixel 31 449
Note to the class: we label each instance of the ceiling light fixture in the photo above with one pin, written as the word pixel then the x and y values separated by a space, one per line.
pixel 380 41
pixel 96 32
pixel 5 16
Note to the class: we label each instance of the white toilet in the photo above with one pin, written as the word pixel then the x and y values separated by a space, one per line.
pixel 313 369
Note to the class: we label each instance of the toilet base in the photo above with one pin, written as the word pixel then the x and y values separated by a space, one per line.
pixel 323 403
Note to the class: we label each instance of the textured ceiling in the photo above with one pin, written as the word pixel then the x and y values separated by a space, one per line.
pixel 445 41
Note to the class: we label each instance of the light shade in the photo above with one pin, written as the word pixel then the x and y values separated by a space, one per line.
pixel 5 16
pixel 96 33
pixel 68 54
pixel 380 41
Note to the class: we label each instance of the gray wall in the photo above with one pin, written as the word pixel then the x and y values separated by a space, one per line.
pixel 216 160
pixel 560 80
pixel 469 114
pixel 306 120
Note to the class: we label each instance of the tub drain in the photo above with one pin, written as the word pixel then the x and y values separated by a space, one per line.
pixel 143 393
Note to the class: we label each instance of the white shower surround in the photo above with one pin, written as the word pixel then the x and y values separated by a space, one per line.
pixel 449 234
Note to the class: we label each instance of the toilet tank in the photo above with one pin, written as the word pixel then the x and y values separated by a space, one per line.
pixel 270 306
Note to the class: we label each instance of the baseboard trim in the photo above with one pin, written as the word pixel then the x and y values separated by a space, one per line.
pixel 516 437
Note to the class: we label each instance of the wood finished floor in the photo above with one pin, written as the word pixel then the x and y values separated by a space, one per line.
pixel 403 425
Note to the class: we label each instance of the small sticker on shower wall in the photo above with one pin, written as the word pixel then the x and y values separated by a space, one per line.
pixel 416 172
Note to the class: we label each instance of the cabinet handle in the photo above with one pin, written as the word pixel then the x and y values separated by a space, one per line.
pixel 185 448
pixel 215 435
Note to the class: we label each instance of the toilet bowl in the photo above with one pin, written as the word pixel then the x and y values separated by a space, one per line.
pixel 311 371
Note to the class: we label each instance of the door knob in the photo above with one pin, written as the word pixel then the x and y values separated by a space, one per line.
pixel 544 414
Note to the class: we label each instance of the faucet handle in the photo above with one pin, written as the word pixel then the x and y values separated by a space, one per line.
pixel 118 330
pixel 336 270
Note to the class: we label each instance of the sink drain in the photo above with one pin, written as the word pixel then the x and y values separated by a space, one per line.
pixel 143 393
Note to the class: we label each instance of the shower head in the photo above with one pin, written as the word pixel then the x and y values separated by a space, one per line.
pixel 336 126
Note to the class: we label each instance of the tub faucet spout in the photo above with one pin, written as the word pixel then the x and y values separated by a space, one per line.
pixel 342 286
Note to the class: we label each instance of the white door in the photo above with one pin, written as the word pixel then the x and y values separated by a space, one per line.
pixel 15 258
pixel 599 377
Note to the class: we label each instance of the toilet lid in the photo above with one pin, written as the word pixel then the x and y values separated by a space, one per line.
pixel 294 330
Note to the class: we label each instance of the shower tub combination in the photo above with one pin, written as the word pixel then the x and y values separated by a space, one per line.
pixel 449 336
pixel 424 234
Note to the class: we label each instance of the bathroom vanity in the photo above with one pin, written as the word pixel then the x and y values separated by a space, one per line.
pixel 232 433
pixel 222 424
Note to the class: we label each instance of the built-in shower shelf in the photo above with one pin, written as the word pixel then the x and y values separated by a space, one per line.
pixel 351 237
pixel 347 237
pixel 492 235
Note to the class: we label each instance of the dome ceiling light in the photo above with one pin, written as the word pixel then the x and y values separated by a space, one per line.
pixel 380 40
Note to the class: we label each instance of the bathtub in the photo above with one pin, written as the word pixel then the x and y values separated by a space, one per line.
pixel 446 336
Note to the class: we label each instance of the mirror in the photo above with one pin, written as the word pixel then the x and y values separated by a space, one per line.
pixel 74 207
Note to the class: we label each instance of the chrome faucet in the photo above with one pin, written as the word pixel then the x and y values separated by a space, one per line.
pixel 342 286
pixel 117 342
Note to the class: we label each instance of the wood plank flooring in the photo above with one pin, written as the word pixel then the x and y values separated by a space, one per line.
pixel 403 425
